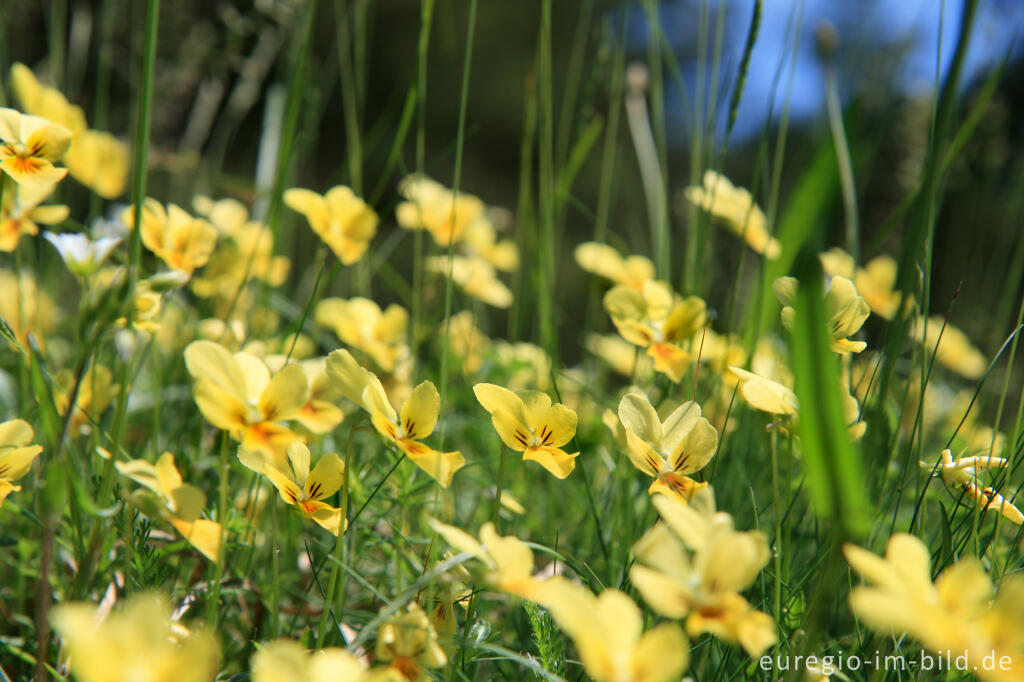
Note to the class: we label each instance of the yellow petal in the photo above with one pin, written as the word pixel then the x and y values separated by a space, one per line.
pixel 559 462
pixel 512 432
pixel 637 413
pixel 695 450
pixel 670 359
pixel 460 540
pixel 419 413
pixel 662 593
pixel 554 426
pixel 285 395
pixel 311 205
pixel 15 432
pixel 214 363
pixel 661 655
pixel 220 407
pixel 765 394
pixel 326 478
pixel 329 518
pixel 31 171
pixel 440 465
pixel 348 376
pixel 642 455
pixel 16 463
pixel 603 260
pixel 202 534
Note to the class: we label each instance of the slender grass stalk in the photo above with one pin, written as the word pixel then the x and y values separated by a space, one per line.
pixel 275 574
pixel 459 144
pixel 498 485
pixel 422 54
pixel 846 176
pixel 140 165
pixel 647 158
pixel 350 97
pixel 212 610
pixel 546 186
pixel 573 76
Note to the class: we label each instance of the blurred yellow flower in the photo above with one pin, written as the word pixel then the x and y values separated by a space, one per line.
pixel 656 319
pixel 623 357
pixel 175 237
pixel 342 220
pixel 736 208
pixel 846 309
pixel 955 614
pixel 29 146
pixel 96 159
pixel 670 449
pixel 22 213
pixel 96 392
pixel 604 261
pixel 360 323
pixel 26 308
pixel 608 633
pixel 409 643
pixel 320 414
pixel 141 642
pixel 961 474
pixel 405 429
pixel 953 349
pixel 237 393
pixel 475 276
pixel 875 281
pixel 180 504
pixel 246 252
pixel 287 661
pixel 766 395
pixel 306 490
pixel 16 455
pixel 703 585
pixel 532 425
pixel 508 559
pixel 433 207
pixel 480 240
pixel 467 342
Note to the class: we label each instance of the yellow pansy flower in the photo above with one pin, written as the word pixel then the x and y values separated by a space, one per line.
pixel 530 424
pixel 342 220
pixel 247 252
pixel 26 308
pixel 95 393
pixel 475 276
pixel 667 450
pixel 467 342
pixel 623 357
pixel 480 240
pixel 604 261
pixel 180 503
pixel 508 559
pixel 237 393
pixel 175 237
pixel 656 319
pixel 433 207
pixel 360 323
pixel 876 281
pixel 287 661
pixel 320 414
pixel 141 641
pixel 953 350
pixel 703 585
pixel 29 146
pixel 16 455
pixel 954 614
pixel 405 428
pixel 608 632
pixel 306 490
pixel 736 208
pixel 409 644
pixel 846 309
pixel 96 159
pixel 22 213
pixel 961 474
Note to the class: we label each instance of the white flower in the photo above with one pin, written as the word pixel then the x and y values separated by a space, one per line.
pixel 82 255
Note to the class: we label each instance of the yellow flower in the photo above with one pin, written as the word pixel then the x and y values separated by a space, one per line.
pixel 703 586
pixel 955 614
pixel 95 393
pixel 139 642
pixel 306 490
pixel 509 560
pixel 237 393
pixel 405 429
pixel 961 474
pixel 667 450
pixel 360 323
pixel 953 349
pixel 96 159
pixel 875 281
pixel 409 643
pixel 532 425
pixel 178 239
pixel 26 308
pixel 656 319
pixel 480 240
pixel 847 311
pixel 248 252
pixel 432 207
pixel 737 209
pixel 475 276
pixel 766 395
pixel 22 213
pixel 608 633
pixel 622 356
pixel 16 455
pixel 180 503
pixel 288 661
pixel 320 414
pixel 28 147
pixel 342 220
pixel 604 261
pixel 526 364
pixel 467 342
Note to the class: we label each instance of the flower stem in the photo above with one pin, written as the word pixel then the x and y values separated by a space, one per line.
pixel 501 482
